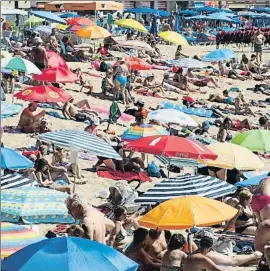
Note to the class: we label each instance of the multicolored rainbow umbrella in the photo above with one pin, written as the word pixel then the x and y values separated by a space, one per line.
pixel 15 237
pixel 143 130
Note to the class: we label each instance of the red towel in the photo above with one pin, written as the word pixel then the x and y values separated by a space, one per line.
pixel 128 176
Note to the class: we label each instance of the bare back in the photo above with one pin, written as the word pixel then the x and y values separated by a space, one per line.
pixel 262 237
pixel 173 258
pixel 156 248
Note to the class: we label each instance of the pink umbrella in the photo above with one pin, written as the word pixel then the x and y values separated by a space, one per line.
pixel 55 60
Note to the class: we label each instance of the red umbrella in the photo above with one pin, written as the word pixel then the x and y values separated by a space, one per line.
pixel 43 94
pixel 171 146
pixel 135 63
pixel 56 75
pixel 80 21
pixel 56 61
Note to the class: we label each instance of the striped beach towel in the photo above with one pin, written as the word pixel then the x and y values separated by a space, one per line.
pixel 16 180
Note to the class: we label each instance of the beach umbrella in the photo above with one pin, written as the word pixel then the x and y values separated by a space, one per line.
pixel 173 116
pixel 189 63
pixel 46 29
pixel 62 26
pixel 207 9
pixel 171 146
pixel 15 237
pixel 226 14
pixel 187 185
pixel 232 156
pixel 135 63
pixel 11 159
pixel 55 60
pixel 197 17
pixel 34 205
pixel 80 140
pixel 254 140
pixel 93 32
pixel 44 94
pixel 69 15
pixel 132 24
pixel 74 27
pixel 49 16
pixel 219 17
pixel 189 12
pixel 154 27
pixel 253 181
pixel 142 131
pixel 56 75
pixel 187 212
pixel 16 180
pixel 34 20
pixel 219 55
pixel 68 254
pixel 173 37
pixel 136 44
pixel 145 10
pixel 9 110
pixel 19 64
pixel 81 21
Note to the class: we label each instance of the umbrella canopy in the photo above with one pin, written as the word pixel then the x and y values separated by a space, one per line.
pixel 68 254
pixel 171 146
pixel 187 212
pixel 173 37
pixel 207 9
pixel 19 64
pixel 15 237
pixel 219 17
pixel 130 23
pixel 197 17
pixel 11 159
pixel 187 185
pixel 189 12
pixel 49 16
pixel 79 140
pixel 173 116
pixel 227 14
pixel 9 110
pixel 252 181
pixel 188 63
pixel 62 26
pixel 34 205
pixel 16 180
pixel 43 29
pixel 219 55
pixel 93 32
pixel 143 130
pixel 254 140
pixel 136 44
pixel 34 20
pixel 74 27
pixel 55 60
pixel 44 94
pixel 232 156
pixel 135 63
pixel 144 10
pixel 56 75
pixel 82 21
pixel 69 15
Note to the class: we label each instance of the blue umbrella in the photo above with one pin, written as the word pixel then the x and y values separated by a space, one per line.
pixel 222 14
pixel 237 21
pixel 48 16
pixel 198 17
pixel 189 12
pixel 144 10
pixel 69 15
pixel 8 110
pixel 219 55
pixel 11 159
pixel 68 254
pixel 43 28
pixel 249 14
pixel 219 17
pixel 177 23
pixel 207 9
pixel 154 27
pixel 252 181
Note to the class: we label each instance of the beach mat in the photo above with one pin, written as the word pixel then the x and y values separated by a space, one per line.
pixel 128 176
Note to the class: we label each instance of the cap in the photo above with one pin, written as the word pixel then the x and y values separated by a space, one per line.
pixel 34 104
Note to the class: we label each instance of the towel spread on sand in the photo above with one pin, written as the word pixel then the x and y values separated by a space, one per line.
pixel 128 176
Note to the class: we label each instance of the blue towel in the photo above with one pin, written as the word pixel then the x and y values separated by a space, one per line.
pixel 52 106
pixel 55 115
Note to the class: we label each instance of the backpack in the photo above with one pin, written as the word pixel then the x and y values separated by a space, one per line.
pixel 153 170
pixel 103 66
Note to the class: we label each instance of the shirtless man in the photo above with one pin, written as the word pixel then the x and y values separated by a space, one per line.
pixel 30 123
pixel 265 122
pixel 242 106
pixel 156 244
pixel 259 40
pixel 92 221
pixel 39 55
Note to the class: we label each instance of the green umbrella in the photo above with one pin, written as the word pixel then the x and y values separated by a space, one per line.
pixel 254 140
pixel 34 20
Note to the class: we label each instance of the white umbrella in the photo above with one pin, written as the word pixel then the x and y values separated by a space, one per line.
pixel 188 63
pixel 173 116
pixel 137 44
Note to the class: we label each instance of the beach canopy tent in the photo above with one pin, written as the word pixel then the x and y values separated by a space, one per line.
pixel 145 10
pixel 187 212
pixel 9 110
pixel 188 12
pixel 16 180
pixel 49 16
pixel 253 181
pixel 69 254
pixel 186 185
pixel 34 205
pixel 219 55
pixel 15 237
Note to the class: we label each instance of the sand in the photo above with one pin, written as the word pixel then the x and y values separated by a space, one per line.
pixel 95 184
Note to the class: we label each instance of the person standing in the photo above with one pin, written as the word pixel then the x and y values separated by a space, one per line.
pixel 39 55
pixel 259 40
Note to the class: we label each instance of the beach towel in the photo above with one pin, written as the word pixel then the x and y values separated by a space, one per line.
pixel 52 106
pixel 12 130
pixel 55 115
pixel 127 176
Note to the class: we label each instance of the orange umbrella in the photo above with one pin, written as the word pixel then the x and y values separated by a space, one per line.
pixel 93 32
pixel 80 21
pixel 186 213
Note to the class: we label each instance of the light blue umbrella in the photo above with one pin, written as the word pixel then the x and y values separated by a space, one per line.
pixel 249 14
pixel 189 12
pixel 222 14
pixel 9 110
pixel 207 9
pixel 198 17
pixel 11 159
pixel 219 17
pixel 144 10
pixel 252 181
pixel 49 16
pixel 68 254
pixel 69 15
pixel 219 55
pixel 43 28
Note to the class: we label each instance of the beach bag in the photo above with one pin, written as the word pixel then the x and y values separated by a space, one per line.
pixel 153 170
pixel 103 67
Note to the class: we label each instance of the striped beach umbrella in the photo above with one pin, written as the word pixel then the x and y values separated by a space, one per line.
pixel 187 185
pixel 34 205
pixel 16 180
pixel 15 237
pixel 80 140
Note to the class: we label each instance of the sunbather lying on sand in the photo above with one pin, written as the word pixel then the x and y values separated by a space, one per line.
pixel 224 98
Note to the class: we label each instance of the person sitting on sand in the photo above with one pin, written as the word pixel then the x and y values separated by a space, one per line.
pixel 95 223
pixel 178 53
pixel 242 106
pixel 253 65
pixel 224 98
pixel 30 123
pixel 223 133
pixel 200 81
pixel 227 71
pixel 174 256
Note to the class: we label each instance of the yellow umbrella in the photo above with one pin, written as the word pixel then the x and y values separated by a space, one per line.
pixel 61 26
pixel 186 213
pixel 93 32
pixel 234 156
pixel 173 37
pixel 130 23
pixel 34 20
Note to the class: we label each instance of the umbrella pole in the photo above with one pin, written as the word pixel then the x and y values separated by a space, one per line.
pixel 169 168
pixel 75 177
pixel 189 241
